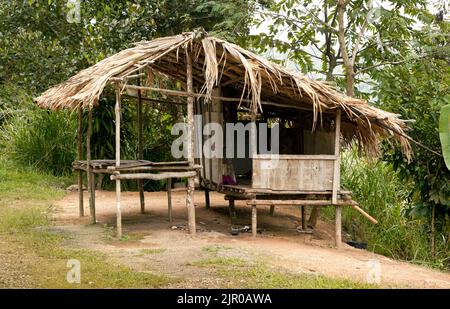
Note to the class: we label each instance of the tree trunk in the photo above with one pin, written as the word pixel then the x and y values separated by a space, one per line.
pixel 348 63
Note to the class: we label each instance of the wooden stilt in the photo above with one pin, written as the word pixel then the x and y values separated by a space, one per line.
pixel 190 114
pixel 303 208
pixel 169 198
pixel 80 157
pixel 254 221
pixel 272 210
pixel 140 182
pixel 231 208
pixel 118 189
pixel 338 226
pixel 207 203
pixel 336 167
pixel 90 175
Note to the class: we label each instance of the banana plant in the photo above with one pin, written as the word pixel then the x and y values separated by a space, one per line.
pixel 444 133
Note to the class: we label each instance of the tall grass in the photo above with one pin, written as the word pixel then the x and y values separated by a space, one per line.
pixel 35 137
pixel 379 191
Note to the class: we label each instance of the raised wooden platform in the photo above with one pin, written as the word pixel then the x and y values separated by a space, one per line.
pixel 134 170
pixel 272 198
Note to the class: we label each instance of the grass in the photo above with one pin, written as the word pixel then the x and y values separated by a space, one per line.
pixel 379 191
pixel 26 199
pixel 255 274
pixel 153 251
pixel 237 272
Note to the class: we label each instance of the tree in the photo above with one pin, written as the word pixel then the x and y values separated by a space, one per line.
pixel 40 47
pixel 385 55
pixel 344 38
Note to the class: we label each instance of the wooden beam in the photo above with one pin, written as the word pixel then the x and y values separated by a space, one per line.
pixel 272 210
pixel 223 99
pixel 159 176
pixel 365 214
pixel 90 175
pixel 152 100
pixel 336 167
pixel 80 157
pixel 169 198
pixel 231 208
pixel 294 157
pixel 207 202
pixel 299 202
pixel 338 227
pixel 254 220
pixel 303 209
pixel 140 150
pixel 118 189
pixel 190 114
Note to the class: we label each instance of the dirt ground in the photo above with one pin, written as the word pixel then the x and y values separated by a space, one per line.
pixel 279 245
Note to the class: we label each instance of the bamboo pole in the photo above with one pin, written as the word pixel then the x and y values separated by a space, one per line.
pixel 338 227
pixel 299 202
pixel 159 176
pixel 365 214
pixel 169 198
pixel 80 157
pixel 254 220
pixel 118 207
pixel 90 174
pixel 231 208
pixel 220 98
pixel 336 167
pixel 190 148
pixel 207 202
pixel 303 209
pixel 140 154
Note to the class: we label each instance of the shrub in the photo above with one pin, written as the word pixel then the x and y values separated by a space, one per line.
pixel 379 190
pixel 39 138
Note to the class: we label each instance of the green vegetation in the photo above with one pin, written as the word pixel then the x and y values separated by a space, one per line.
pixel 398 65
pixel 153 251
pixel 243 273
pixel 380 191
pixel 396 55
pixel 262 277
pixel 25 229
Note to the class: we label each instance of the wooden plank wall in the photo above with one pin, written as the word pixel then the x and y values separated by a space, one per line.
pixel 294 172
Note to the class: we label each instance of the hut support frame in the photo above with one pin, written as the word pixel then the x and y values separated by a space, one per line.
pixel 80 157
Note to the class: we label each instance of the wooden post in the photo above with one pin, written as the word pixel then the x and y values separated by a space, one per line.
pixel 80 157
pixel 190 148
pixel 254 220
pixel 303 208
pixel 207 203
pixel 169 198
pixel 231 208
pixel 118 207
pixel 90 174
pixel 140 183
pixel 272 210
pixel 336 167
pixel 338 226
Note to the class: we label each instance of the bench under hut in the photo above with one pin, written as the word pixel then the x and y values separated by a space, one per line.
pixel 227 84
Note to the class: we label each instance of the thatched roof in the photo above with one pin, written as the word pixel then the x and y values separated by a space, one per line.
pixel 219 62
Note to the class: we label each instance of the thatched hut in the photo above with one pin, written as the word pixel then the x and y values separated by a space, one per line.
pixel 228 84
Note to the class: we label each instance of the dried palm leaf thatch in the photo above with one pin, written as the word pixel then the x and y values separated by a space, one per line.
pixel 220 63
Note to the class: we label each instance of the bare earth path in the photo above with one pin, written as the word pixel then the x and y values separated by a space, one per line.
pixel 153 243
